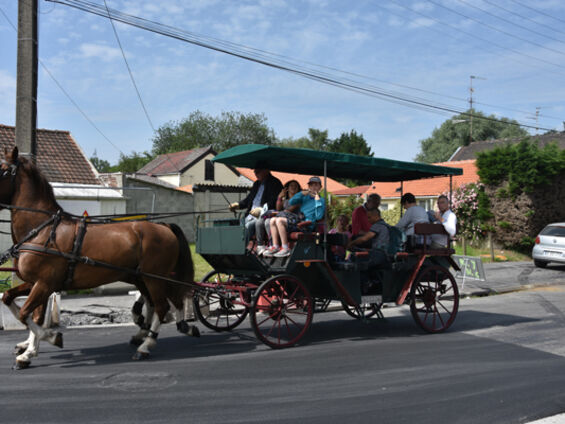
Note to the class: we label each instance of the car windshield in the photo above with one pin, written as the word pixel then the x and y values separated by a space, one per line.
pixel 553 231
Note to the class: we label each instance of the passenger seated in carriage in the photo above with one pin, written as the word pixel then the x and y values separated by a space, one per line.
pixel 312 208
pixel 379 237
pixel 342 224
pixel 264 222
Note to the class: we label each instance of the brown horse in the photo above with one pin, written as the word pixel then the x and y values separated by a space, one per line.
pixel 138 252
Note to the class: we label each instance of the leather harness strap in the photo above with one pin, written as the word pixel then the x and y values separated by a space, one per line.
pixel 80 231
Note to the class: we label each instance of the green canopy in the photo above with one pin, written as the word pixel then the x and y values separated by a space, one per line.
pixel 339 165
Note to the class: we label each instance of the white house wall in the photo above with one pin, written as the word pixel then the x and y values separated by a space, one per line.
pixel 195 174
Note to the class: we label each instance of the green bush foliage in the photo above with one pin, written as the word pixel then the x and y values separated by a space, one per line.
pixel 525 186
pixel 342 206
pixel 523 166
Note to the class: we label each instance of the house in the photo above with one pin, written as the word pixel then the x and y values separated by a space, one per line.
pixel 426 190
pixel 471 151
pixel 248 178
pixel 74 180
pixel 358 191
pixel 190 167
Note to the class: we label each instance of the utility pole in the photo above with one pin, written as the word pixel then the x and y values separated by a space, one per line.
pixel 26 83
pixel 472 77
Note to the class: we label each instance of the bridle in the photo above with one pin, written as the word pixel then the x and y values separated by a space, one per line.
pixel 11 172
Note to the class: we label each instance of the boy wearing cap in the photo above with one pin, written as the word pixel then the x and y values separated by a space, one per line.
pixel 312 207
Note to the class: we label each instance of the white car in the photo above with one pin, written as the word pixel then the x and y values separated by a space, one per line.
pixel 550 245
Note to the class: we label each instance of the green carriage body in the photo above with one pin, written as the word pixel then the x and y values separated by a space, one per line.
pixel 253 281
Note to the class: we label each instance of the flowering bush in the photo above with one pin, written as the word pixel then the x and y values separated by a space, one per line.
pixel 466 204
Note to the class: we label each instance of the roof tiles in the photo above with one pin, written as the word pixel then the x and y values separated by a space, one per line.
pixel 59 157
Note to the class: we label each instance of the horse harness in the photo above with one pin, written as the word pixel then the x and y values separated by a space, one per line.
pixel 74 257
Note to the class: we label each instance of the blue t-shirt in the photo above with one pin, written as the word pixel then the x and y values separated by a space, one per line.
pixel 312 209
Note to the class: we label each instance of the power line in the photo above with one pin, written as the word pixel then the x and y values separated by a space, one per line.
pixel 230 49
pixel 387 10
pixel 496 29
pixel 65 92
pixel 538 11
pixel 484 40
pixel 522 16
pixel 129 71
pixel 509 21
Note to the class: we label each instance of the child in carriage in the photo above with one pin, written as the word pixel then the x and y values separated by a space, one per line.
pixel 312 208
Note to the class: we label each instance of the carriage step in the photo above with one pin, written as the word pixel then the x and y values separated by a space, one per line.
pixel 378 299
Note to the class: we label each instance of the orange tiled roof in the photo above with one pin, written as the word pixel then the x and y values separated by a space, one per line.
pixel 352 191
pixel 333 185
pixel 187 188
pixel 429 186
pixel 59 156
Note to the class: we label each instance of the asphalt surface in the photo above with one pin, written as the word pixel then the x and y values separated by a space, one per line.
pixel 501 277
pixel 501 362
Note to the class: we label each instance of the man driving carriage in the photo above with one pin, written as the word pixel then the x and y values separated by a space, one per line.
pixel 264 190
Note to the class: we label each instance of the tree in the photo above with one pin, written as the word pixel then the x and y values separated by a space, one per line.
pixel 351 143
pixel 132 163
pixel 316 140
pixel 455 132
pixel 101 165
pixel 199 129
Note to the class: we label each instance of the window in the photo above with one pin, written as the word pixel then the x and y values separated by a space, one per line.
pixel 208 170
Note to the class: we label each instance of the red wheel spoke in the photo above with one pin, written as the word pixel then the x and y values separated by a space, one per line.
pixel 442 305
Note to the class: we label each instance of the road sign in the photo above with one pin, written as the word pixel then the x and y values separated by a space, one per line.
pixel 471 268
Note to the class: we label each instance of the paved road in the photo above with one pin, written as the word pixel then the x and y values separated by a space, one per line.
pixel 503 361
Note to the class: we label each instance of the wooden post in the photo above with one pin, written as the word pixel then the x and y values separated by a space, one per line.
pixel 491 246
pixel 26 83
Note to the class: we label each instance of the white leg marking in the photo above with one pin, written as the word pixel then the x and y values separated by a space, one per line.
pixel 149 342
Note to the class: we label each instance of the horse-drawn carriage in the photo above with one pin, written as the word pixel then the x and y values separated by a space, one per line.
pixel 281 294
pixel 54 251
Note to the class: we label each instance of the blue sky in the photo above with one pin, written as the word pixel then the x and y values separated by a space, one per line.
pixel 425 48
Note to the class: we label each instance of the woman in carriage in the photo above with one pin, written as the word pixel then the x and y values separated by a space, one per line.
pixel 312 208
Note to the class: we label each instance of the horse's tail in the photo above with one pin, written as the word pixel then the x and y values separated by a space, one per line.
pixel 184 269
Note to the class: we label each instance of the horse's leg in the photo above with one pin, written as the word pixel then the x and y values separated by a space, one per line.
pixel 161 308
pixel 144 322
pixel 181 319
pixel 38 296
pixel 150 341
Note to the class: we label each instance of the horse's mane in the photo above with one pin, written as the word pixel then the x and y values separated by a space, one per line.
pixel 39 180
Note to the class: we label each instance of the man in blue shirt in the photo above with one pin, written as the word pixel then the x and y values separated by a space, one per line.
pixel 312 208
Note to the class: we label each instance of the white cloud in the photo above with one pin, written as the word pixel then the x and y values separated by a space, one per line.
pixel 99 51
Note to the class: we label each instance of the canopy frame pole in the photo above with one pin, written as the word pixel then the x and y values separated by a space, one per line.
pixel 450 189
pixel 326 210
pixel 401 194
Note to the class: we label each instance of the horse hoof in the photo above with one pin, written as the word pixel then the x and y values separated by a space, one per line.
pixel 194 331
pixel 18 350
pixel 58 340
pixel 21 365
pixel 140 356
pixel 135 341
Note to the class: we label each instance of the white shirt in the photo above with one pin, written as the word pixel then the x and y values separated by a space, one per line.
pixel 449 222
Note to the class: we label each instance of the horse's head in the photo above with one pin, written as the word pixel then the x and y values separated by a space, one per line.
pixel 8 168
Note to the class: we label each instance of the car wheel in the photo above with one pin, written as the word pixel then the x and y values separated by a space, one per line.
pixel 540 264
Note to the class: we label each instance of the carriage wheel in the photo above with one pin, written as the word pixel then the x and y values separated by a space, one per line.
pixel 214 307
pixel 367 310
pixel 282 311
pixel 434 299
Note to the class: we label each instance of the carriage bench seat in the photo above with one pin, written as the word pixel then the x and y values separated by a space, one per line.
pixel 297 235
pixel 427 230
